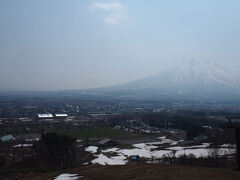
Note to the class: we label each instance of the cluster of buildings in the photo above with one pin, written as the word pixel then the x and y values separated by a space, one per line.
pixel 137 126
pixel 16 148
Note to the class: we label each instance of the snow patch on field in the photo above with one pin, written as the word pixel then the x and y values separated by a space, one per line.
pixel 196 152
pixel 164 140
pixel 149 150
pixel 179 148
pixel 68 177
pixel 145 150
pixel 228 145
pixel 110 150
pixel 201 152
pixel 147 146
pixel 136 151
pixel 104 160
pixel 23 145
pixel 92 149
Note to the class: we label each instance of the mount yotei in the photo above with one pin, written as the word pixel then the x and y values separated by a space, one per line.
pixel 192 79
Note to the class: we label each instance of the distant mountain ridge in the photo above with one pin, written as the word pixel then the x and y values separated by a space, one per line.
pixel 194 78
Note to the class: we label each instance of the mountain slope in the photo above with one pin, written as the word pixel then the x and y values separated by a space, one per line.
pixel 194 78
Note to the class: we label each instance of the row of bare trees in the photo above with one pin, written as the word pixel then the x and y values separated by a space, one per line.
pixel 215 158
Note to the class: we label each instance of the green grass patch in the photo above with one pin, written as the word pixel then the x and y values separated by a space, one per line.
pixel 96 133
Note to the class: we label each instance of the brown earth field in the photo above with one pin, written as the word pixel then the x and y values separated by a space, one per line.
pixel 137 172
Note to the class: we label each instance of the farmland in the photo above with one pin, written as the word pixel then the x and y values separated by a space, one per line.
pixel 96 133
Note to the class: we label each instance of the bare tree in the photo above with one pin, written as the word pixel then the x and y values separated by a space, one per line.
pixel 214 153
pixel 170 156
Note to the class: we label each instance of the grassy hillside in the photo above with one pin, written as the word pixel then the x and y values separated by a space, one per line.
pixel 143 172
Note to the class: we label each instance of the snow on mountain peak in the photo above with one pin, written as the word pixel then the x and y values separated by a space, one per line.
pixel 193 78
pixel 204 71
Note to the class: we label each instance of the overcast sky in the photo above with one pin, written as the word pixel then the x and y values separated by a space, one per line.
pixel 75 44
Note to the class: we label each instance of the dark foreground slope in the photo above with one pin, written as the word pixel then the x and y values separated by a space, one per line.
pixel 142 171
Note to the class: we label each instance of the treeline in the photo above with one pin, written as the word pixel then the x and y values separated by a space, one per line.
pixel 56 150
pixel 192 125
pixel 190 160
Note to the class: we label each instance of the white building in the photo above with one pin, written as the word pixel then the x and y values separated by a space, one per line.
pixel 45 116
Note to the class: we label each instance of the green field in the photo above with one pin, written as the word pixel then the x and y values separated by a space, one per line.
pixel 97 133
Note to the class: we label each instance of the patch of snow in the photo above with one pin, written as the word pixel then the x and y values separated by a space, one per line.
pixel 146 150
pixel 203 145
pixel 167 141
pixel 110 150
pixel 160 153
pixel 207 127
pixel 177 148
pixel 91 149
pixel 164 140
pixel 140 152
pixel 23 145
pixel 196 152
pixel 228 145
pixel 201 152
pixel 79 140
pixel 147 146
pixel 68 177
pixel 176 142
pixel 31 140
pixel 104 160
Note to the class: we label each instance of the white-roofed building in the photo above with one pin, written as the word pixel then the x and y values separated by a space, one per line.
pixel 45 116
pixel 61 116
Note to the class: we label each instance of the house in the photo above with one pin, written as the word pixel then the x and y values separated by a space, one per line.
pixel 61 116
pixel 7 138
pixel 106 143
pixel 29 137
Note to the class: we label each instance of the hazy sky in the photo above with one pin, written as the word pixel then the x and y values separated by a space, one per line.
pixel 74 44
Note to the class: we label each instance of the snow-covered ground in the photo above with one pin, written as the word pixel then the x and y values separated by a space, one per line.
pixel 228 145
pixel 178 148
pixel 110 150
pixel 164 140
pixel 104 160
pixel 68 177
pixel 92 149
pixel 149 150
pixel 201 152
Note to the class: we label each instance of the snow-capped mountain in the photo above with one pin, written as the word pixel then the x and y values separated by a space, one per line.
pixel 192 78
